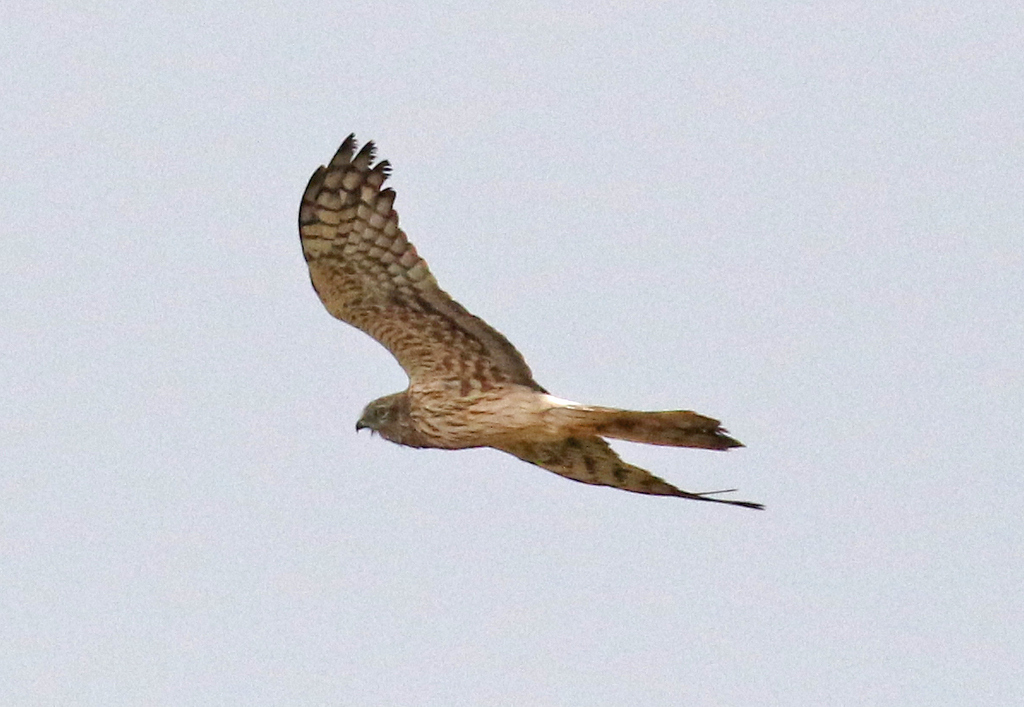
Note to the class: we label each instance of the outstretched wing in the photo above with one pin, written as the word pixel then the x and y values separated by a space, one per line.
pixel 368 274
pixel 592 461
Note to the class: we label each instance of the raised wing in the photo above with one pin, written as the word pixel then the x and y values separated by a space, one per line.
pixel 368 274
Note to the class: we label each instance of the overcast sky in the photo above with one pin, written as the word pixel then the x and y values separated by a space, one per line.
pixel 805 219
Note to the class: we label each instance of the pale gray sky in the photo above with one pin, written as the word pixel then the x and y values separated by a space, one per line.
pixel 806 219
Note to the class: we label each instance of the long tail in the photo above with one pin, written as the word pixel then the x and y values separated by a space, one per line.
pixel 671 428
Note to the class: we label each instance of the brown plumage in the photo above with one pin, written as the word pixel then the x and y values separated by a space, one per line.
pixel 468 386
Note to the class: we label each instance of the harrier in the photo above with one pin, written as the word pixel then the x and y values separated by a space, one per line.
pixel 468 386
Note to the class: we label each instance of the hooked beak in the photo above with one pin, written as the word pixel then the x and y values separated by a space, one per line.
pixel 360 426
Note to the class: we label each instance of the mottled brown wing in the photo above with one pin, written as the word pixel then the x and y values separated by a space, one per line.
pixel 368 274
pixel 591 460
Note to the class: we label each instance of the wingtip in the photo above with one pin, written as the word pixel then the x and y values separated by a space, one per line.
pixel 365 156
pixel 750 504
pixel 344 154
pixel 361 158
pixel 709 496
pixel 743 504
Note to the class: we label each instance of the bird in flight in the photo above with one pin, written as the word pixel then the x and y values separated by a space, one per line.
pixel 468 386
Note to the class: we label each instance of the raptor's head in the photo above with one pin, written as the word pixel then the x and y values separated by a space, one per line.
pixel 389 417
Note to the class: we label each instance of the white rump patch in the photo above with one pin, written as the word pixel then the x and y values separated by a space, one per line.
pixel 560 402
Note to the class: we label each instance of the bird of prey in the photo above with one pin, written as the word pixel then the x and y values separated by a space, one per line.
pixel 468 386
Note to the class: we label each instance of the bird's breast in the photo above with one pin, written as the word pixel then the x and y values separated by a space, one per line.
pixel 481 419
